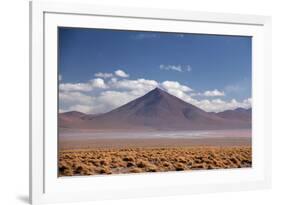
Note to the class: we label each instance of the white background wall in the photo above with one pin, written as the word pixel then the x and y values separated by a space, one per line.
pixel 14 100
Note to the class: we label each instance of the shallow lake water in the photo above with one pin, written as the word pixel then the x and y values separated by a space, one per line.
pixel 86 134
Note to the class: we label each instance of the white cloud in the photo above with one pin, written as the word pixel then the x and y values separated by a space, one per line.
pixel 113 80
pixel 138 84
pixel 218 105
pixel 62 111
pixel 101 103
pixel 171 67
pixel 213 93
pixel 121 73
pixel 84 87
pixel 174 85
pixel 248 102
pixel 107 95
pixel 176 89
pixel 178 68
pixel 75 87
pixel 81 108
pixel 98 83
pixel 60 77
pixel 104 75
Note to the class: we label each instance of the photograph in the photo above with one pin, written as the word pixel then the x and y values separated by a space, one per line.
pixel 147 101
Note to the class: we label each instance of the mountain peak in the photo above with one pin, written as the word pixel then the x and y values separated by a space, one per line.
pixel 158 92
pixel 157 89
pixel 156 96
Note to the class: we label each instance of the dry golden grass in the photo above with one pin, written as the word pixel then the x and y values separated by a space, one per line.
pixel 137 160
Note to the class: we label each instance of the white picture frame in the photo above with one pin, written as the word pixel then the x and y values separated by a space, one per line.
pixel 46 187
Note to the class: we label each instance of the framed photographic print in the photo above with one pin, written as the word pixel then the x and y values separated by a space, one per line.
pixel 129 102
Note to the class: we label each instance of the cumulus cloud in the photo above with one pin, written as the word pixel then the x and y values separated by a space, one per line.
pixel 83 87
pixel 98 83
pixel 218 105
pixel 213 93
pixel 178 68
pixel 104 96
pixel 174 85
pixel 176 89
pixel 102 102
pixel 75 87
pixel 81 108
pixel 68 99
pixel 104 75
pixel 121 73
pixel 139 84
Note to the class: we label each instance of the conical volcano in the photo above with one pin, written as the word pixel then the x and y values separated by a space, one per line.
pixel 158 110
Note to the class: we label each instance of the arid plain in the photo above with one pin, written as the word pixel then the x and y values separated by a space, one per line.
pixel 115 156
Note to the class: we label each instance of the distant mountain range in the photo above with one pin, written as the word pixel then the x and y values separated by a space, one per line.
pixel 158 110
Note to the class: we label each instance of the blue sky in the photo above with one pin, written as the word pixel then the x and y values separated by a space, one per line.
pixel 200 62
